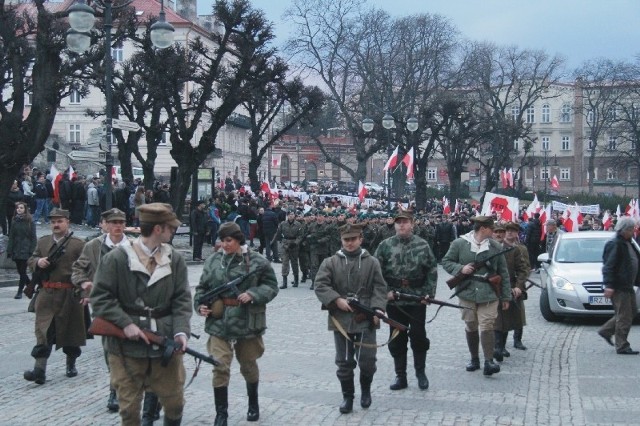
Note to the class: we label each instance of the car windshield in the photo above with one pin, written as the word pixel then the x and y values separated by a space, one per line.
pixel 580 250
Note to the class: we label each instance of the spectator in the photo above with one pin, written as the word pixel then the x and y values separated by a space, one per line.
pixel 93 202
pixel 42 199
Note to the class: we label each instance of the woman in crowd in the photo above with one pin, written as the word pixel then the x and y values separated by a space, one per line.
pixel 22 242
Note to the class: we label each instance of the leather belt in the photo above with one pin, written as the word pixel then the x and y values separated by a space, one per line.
pixel 405 282
pixel 148 312
pixel 57 285
pixel 229 301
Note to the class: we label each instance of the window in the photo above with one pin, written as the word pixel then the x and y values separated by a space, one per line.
pixel 590 116
pixel 164 139
pixel 546 113
pixel 28 99
pixel 595 174
pixel 74 97
pixel 531 114
pixel 565 143
pixel 611 145
pixel 611 173
pixel 432 172
pixel 117 53
pixel 515 112
pixel 565 174
pixel 565 114
pixel 544 173
pixel 545 143
pixel 516 145
pixel 74 133
pixel 591 145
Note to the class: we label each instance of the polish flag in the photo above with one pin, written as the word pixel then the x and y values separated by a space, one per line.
pixel 510 176
pixel 571 216
pixel 607 221
pixel 56 177
pixel 275 160
pixel 72 173
pixel 618 212
pixel 503 178
pixel 544 216
pixel 266 188
pixel 554 183
pixel 533 208
pixel 408 161
pixel 457 206
pixel 446 208
pixel 392 161
pixel 362 191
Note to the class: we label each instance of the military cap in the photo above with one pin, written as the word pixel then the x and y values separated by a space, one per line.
pixel 499 227
pixel 487 221
pixel 404 214
pixel 113 214
pixel 56 212
pixel 512 226
pixel 158 213
pixel 350 230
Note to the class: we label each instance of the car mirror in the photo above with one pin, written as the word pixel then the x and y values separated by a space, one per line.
pixel 544 258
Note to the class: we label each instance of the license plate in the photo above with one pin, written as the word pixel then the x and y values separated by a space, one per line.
pixel 599 300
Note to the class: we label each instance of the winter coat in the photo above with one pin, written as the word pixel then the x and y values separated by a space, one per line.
pixel 616 264
pixel 242 321
pixel 270 222
pixel 22 239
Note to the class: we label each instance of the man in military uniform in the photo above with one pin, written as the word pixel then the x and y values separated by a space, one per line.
pixel 352 271
pixel 145 286
pixel 408 266
pixel 319 237
pixel 290 232
pixel 59 313
pixel 518 292
pixel 476 292
pixel 385 230
pixel 303 252
pixel 443 237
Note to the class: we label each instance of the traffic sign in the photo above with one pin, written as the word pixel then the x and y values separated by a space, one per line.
pixel 127 126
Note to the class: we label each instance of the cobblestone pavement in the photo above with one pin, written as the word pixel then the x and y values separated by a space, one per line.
pixel 568 376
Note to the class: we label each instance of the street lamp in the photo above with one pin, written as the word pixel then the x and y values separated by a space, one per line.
pixel 81 20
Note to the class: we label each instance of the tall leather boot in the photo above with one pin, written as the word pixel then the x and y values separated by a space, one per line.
pixel 221 396
pixel 419 362
pixel 112 403
pixel 284 282
pixel 517 340
pixel 304 278
pixel 487 339
pixel 71 366
pixel 348 390
pixel 497 346
pixel 505 352
pixel 172 422
pixel 365 388
pixel 295 279
pixel 150 409
pixel 253 414
pixel 473 342
pixel 19 293
pixel 400 364
pixel 38 374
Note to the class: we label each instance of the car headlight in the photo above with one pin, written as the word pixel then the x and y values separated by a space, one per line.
pixel 562 284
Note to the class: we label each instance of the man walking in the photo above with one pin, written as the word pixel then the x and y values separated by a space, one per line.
pixel 290 232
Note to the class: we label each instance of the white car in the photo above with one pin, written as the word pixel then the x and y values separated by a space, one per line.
pixel 372 186
pixel 572 278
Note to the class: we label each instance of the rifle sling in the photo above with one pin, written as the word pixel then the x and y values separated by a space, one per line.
pixel 154 313
pixel 342 331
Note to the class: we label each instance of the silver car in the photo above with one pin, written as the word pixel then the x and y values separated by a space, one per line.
pixel 572 278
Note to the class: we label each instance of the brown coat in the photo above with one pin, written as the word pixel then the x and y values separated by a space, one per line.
pixel 59 306
pixel 513 318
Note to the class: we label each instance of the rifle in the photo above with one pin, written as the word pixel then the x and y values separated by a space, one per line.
pixel 460 277
pixel 209 297
pixel 41 274
pixel 533 284
pixel 370 313
pixel 415 298
pixel 102 327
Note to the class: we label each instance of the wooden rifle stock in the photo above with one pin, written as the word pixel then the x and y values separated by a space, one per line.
pixel 460 277
pixel 370 313
pixel 102 327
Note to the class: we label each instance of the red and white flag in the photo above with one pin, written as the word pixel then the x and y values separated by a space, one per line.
pixel 503 178
pixel 392 161
pixel 275 160
pixel 457 206
pixel 571 217
pixel 510 176
pixel 72 173
pixel 532 209
pixel 362 191
pixel 408 161
pixel 555 184
pixel 56 177
pixel 618 212
pixel 446 208
pixel 607 221
pixel 545 215
pixel 505 208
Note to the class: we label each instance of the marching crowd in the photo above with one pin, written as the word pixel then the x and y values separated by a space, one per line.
pixel 368 267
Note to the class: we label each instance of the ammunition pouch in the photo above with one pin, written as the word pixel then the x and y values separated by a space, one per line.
pixel 217 309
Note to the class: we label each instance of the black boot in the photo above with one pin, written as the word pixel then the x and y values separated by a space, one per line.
pixel 71 366
pixel 419 362
pixel 490 367
pixel 222 405
pixel 497 346
pixel 313 282
pixel 172 422
pixel 304 278
pixel 150 409
pixel 473 342
pixel 517 340
pixel 348 389
pixel 253 414
pixel 400 364
pixel 112 403
pixel 284 282
pixel 365 388
pixel 19 293
pixel 505 352
pixel 295 279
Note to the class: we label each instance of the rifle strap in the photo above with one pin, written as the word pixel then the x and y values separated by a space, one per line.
pixel 436 314
pixel 195 372
pixel 342 331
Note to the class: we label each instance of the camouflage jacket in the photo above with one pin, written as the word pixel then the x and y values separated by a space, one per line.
pixel 319 236
pixel 408 265
pixel 242 321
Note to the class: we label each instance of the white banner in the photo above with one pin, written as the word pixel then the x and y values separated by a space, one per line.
pixel 506 208
pixel 593 209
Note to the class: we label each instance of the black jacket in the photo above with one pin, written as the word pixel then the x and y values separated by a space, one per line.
pixel 616 264
pixel 270 222
pixel 22 239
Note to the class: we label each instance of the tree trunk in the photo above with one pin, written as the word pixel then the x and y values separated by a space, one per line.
pixel 591 167
pixel 421 189
pixel 454 187
pixel 180 187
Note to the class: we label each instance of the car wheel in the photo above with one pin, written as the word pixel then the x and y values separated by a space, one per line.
pixel 545 308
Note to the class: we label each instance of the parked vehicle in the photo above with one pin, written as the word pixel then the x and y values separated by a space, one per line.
pixel 572 277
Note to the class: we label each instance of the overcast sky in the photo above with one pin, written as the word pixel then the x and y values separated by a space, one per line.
pixel 578 29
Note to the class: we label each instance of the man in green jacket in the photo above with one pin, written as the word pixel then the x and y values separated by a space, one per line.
pixel 476 292
pixel 236 322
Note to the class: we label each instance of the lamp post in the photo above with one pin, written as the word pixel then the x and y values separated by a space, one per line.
pixel 81 20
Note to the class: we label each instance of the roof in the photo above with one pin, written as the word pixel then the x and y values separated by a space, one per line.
pixel 151 8
pixel 584 235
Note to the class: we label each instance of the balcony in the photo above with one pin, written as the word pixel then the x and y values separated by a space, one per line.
pixel 239 120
